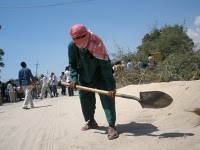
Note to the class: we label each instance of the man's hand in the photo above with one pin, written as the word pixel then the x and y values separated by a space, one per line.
pixel 111 94
pixel 73 85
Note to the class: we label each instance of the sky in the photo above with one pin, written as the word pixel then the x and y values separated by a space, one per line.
pixel 37 32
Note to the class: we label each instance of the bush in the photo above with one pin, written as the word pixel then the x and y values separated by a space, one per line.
pixel 176 67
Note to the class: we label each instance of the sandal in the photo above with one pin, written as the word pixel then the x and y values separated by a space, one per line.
pixel 112 133
pixel 92 124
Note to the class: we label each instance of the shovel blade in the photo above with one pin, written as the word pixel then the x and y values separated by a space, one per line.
pixel 155 99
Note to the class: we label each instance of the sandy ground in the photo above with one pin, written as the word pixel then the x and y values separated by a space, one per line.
pixel 55 124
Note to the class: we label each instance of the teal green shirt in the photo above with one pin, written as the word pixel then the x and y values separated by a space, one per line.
pixel 85 67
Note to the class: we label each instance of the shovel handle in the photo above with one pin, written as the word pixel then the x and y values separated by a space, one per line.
pixel 101 91
pixel 128 96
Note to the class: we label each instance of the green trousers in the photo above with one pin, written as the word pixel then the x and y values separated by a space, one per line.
pixel 88 102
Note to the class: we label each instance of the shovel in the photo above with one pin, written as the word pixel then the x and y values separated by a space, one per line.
pixel 149 99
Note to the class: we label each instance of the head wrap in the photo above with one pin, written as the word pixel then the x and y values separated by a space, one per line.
pixel 85 39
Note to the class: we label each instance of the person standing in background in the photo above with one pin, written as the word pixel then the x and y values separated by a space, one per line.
pixel 129 65
pixel 45 87
pixel 63 79
pixel 3 93
pixel 34 91
pixel 15 92
pixel 67 73
pixel 11 91
pixel 53 84
pixel 25 76
pixel 151 61
pixel 124 66
pixel 38 87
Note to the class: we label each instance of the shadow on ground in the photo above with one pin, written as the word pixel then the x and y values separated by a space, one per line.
pixel 141 129
pixel 42 106
pixel 173 135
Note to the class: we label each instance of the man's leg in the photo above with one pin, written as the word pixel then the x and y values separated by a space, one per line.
pixel 25 103
pixel 108 105
pixel 49 91
pixel 10 96
pixel 28 96
pixel 43 92
pixel 88 105
pixel 13 96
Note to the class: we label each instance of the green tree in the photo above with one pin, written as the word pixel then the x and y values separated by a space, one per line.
pixel 1 54
pixel 167 40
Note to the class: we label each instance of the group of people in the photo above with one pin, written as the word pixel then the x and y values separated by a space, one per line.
pixel 122 65
pixel 10 92
pixel 48 86
pixel 65 77
pixel 150 62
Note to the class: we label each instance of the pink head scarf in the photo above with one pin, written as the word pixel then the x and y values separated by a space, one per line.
pixel 83 38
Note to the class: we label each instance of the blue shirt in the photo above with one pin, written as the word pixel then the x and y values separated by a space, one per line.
pixel 25 77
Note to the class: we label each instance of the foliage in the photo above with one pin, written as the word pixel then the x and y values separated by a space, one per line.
pixel 180 66
pixel 179 61
pixel 1 54
pixel 167 40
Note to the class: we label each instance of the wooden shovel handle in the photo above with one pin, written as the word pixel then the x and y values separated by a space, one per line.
pixel 101 91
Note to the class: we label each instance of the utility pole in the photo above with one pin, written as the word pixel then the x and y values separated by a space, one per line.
pixel 36 67
pixel 47 75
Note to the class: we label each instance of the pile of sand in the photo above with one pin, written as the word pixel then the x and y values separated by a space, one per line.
pixel 55 124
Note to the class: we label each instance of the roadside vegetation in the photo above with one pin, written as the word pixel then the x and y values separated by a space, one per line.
pixel 179 58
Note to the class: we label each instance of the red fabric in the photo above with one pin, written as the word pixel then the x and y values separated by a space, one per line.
pixel 83 38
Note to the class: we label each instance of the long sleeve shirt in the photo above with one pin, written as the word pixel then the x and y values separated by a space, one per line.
pixel 84 66
pixel 25 77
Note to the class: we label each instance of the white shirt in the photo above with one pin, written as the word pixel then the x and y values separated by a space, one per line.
pixel 10 88
pixel 129 65
pixel 54 80
pixel 44 81
pixel 63 78
pixel 151 61
pixel 67 73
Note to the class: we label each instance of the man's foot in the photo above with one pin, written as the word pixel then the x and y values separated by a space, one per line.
pixel 51 96
pixel 92 124
pixel 25 107
pixel 112 133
